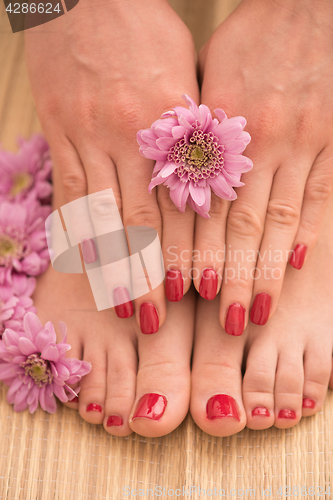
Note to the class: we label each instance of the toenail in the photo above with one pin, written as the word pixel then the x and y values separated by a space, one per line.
pixel 220 406
pixel 124 307
pixel 149 322
pixel 260 309
pixel 308 403
pixel 234 323
pixel 150 406
pixel 174 285
pixel 298 256
pixel 88 251
pixel 94 407
pixel 287 414
pixel 114 420
pixel 260 411
pixel 208 284
pixel 74 400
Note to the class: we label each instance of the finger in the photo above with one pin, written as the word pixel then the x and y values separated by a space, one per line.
pixel 177 245
pixel 317 193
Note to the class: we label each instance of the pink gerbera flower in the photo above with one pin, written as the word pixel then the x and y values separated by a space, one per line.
pixel 23 245
pixel 195 154
pixel 35 367
pixel 26 171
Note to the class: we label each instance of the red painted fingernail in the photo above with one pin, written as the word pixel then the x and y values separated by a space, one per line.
pixel 150 406
pixel 174 285
pixel 287 414
pixel 74 400
pixel 94 407
pixel 234 323
pixel 124 305
pixel 89 251
pixel 114 420
pixel 220 406
pixel 208 284
pixel 298 256
pixel 260 309
pixel 149 322
pixel 308 403
pixel 260 411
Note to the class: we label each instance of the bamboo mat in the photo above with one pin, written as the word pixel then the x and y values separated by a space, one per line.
pixel 61 457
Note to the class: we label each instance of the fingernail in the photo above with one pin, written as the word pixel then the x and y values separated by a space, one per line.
pixel 208 284
pixel 124 307
pixel 150 406
pixel 114 420
pixel 234 323
pixel 260 309
pixel 220 406
pixel 174 285
pixel 287 414
pixel 94 407
pixel 308 403
pixel 89 251
pixel 298 256
pixel 260 411
pixel 149 322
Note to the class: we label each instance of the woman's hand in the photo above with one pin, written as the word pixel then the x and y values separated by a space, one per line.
pixel 271 62
pixel 99 74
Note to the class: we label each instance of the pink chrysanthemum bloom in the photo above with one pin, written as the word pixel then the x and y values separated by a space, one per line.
pixel 23 245
pixel 35 367
pixel 15 302
pixel 26 171
pixel 195 154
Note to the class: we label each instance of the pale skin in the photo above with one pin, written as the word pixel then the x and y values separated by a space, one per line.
pixel 90 111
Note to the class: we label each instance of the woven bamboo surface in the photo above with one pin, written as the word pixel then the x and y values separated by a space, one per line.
pixel 44 457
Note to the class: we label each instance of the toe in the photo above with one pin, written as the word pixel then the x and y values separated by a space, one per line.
pixel 75 352
pixel 163 380
pixel 216 398
pixel 317 371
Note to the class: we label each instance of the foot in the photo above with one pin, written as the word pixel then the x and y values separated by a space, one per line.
pixel 287 362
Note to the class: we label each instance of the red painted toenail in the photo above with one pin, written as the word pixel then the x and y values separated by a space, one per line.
pixel 234 323
pixel 308 403
pixel 298 256
pixel 124 305
pixel 88 251
pixel 149 322
pixel 260 309
pixel 260 411
pixel 150 406
pixel 208 284
pixel 114 420
pixel 287 414
pixel 74 400
pixel 94 407
pixel 220 406
pixel 174 285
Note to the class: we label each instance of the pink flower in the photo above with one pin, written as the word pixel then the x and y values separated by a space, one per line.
pixel 15 302
pixel 35 367
pixel 23 245
pixel 28 170
pixel 195 154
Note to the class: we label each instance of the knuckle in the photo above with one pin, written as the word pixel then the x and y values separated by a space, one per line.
pixel 283 214
pixel 74 185
pixel 141 215
pixel 265 121
pixel 103 206
pixel 244 221
pixel 318 191
pixel 128 114
pixel 239 279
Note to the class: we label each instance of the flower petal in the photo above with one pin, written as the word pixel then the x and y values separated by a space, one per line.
pixel 50 353
pixel 198 194
pixel 26 346
pixel 32 325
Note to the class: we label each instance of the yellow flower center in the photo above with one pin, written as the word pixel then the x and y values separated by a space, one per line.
pixel 7 246
pixel 21 181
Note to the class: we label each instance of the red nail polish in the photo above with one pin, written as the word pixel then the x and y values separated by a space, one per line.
pixel 174 285
pixel 260 411
pixel 260 309
pixel 308 403
pixel 74 400
pixel 94 407
pixel 150 406
pixel 221 405
pixel 208 284
pixel 287 414
pixel 124 305
pixel 114 420
pixel 149 322
pixel 298 256
pixel 234 323
pixel 88 251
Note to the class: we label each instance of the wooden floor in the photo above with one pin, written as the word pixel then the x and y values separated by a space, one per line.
pixel 51 457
